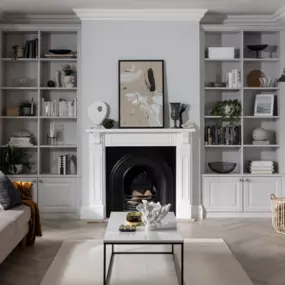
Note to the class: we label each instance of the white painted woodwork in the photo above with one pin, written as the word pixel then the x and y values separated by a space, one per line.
pixel 57 195
pixel 101 138
pixel 222 194
pixel 257 193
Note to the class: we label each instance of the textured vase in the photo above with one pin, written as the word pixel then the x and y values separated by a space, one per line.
pixel 175 113
pixel 260 134
pixel 69 81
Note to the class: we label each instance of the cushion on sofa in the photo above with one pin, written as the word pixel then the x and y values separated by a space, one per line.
pixel 9 196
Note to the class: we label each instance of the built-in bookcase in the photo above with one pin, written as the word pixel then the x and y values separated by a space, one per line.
pixel 43 155
pixel 245 61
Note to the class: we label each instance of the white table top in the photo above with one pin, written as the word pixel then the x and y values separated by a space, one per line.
pixel 113 235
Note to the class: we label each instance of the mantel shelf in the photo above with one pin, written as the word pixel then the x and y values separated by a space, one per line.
pixel 129 131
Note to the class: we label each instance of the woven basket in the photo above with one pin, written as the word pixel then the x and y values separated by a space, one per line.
pixel 278 213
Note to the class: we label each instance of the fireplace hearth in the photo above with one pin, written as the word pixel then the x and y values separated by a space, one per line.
pixel 134 174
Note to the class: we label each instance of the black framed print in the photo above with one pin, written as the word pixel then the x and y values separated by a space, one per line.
pixel 141 93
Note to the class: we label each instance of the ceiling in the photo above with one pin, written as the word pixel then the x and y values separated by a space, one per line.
pixel 227 7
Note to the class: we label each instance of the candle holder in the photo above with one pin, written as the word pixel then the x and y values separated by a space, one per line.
pixel 175 113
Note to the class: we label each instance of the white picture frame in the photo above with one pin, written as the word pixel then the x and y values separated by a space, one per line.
pixel 264 105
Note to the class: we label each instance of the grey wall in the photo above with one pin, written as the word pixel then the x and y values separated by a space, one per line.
pixel 105 42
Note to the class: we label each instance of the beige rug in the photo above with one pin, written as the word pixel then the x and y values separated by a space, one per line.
pixel 207 262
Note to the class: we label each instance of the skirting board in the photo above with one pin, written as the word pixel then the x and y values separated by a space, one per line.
pixel 72 216
pixel 92 212
pixel 238 215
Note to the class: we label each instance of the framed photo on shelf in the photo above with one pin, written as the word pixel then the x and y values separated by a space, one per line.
pixel 264 105
pixel 141 93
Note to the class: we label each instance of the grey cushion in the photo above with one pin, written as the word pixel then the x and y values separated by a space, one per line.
pixel 9 196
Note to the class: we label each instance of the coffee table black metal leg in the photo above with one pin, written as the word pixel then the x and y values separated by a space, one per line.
pixel 182 264
pixel 104 265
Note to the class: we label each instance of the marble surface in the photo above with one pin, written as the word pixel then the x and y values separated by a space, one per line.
pixel 116 219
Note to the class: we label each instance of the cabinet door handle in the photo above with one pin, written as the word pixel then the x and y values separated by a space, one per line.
pixel 247 180
pixel 40 181
pixel 241 180
pixel 34 181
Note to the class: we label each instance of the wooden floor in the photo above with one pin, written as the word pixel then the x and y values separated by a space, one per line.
pixel 254 243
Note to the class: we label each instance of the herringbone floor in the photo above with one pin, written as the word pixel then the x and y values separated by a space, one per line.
pixel 254 243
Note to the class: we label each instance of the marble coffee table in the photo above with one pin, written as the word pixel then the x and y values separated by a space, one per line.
pixel 160 237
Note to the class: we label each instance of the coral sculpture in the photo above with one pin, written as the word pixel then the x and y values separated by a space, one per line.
pixel 152 213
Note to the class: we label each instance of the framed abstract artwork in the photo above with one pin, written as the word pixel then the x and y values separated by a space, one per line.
pixel 141 93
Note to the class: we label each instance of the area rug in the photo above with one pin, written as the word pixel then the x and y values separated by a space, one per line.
pixel 207 262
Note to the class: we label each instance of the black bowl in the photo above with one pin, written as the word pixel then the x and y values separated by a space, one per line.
pixel 257 48
pixel 222 167
pixel 60 51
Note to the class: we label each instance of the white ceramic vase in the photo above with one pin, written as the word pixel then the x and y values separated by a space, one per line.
pixel 69 81
pixel 260 134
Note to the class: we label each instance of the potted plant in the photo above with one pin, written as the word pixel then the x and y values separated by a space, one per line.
pixel 12 160
pixel 69 75
pixel 229 110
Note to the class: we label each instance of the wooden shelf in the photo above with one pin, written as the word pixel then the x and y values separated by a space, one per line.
pixel 223 59
pixel 260 88
pixel 58 117
pixel 58 146
pixel 262 117
pixel 222 88
pixel 223 146
pixel 58 88
pixel 59 59
pixel 9 59
pixel 262 59
pixel 19 117
pixel 19 88
pixel 262 146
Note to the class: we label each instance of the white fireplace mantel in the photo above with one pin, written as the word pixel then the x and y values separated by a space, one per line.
pixel 99 139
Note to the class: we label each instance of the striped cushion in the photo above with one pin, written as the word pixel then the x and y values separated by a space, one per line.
pixel 9 196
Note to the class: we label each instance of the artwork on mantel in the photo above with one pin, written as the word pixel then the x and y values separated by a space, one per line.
pixel 141 93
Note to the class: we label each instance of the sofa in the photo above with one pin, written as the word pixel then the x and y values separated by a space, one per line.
pixel 14 226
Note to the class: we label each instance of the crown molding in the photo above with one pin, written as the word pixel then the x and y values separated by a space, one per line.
pixel 141 14
pixel 39 18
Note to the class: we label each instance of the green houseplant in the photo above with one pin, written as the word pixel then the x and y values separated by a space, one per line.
pixel 69 75
pixel 228 110
pixel 13 160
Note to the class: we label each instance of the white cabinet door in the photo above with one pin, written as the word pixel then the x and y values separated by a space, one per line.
pixel 57 195
pixel 257 192
pixel 29 179
pixel 222 194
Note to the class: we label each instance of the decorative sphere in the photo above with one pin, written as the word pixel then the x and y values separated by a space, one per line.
pixel 260 134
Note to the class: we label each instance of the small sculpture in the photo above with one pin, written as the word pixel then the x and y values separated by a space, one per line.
pixel 152 213
pixel 183 107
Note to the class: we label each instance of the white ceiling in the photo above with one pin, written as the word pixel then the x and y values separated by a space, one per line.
pixel 216 6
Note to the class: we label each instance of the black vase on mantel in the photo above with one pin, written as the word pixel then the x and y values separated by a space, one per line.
pixel 175 113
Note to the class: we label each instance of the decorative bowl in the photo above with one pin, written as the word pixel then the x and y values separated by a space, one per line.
pixel 257 48
pixel 260 134
pixel 60 51
pixel 134 219
pixel 222 167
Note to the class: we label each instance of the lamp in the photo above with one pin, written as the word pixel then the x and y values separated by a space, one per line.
pixel 282 77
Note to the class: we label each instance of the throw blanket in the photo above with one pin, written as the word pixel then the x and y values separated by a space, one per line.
pixel 35 229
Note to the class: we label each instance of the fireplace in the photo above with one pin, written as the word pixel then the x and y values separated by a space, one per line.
pixel 137 173
pixel 157 163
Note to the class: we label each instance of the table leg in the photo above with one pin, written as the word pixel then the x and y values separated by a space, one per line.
pixel 182 264
pixel 104 265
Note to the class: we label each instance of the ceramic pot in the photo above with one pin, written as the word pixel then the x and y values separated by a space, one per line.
pixel 260 134
pixel 69 81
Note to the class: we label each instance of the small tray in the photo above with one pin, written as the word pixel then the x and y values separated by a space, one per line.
pixel 127 229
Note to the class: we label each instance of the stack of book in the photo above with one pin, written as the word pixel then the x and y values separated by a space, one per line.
pixel 216 135
pixel 20 141
pixel 61 108
pixel 261 167
pixel 12 111
pixel 234 79
pixel 31 49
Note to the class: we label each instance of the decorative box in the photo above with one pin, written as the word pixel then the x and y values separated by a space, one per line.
pixel 221 52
